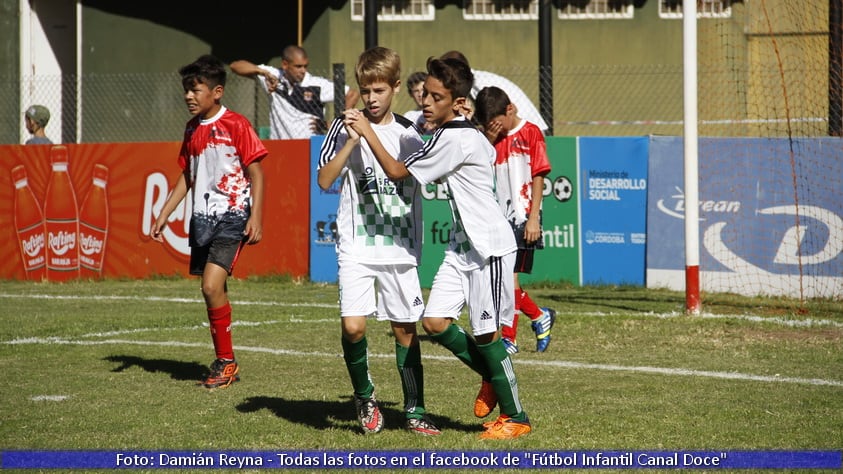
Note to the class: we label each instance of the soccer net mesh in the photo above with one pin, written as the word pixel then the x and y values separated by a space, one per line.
pixel 775 77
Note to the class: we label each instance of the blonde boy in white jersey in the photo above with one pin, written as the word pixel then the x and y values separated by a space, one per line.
pixel 477 269
pixel 379 243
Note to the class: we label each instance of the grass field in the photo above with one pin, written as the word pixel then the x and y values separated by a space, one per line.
pixel 113 364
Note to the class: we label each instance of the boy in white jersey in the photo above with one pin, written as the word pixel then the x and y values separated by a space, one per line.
pixel 477 269
pixel 520 168
pixel 220 159
pixel 379 240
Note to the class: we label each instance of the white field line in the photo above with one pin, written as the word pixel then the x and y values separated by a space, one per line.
pixel 520 361
pixel 747 317
pixel 299 319
pixel 49 398
pixel 159 299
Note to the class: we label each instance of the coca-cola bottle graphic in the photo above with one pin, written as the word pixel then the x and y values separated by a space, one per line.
pixel 93 225
pixel 29 224
pixel 61 220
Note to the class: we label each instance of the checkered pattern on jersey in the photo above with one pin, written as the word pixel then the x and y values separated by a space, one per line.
pixel 385 219
pixel 459 239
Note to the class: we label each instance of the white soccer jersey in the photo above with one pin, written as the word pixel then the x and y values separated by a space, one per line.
pixel 459 156
pixel 378 221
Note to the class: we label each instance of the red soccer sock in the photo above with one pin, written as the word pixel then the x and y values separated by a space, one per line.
pixel 509 332
pixel 528 306
pixel 220 319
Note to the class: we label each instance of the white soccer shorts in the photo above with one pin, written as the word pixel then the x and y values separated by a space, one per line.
pixel 489 292
pixel 391 292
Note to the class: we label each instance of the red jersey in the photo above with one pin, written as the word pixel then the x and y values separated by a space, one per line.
pixel 217 152
pixel 521 156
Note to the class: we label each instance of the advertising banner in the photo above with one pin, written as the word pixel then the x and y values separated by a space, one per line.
pixel 613 209
pixel 85 211
pixel 771 216
pixel 438 223
pixel 559 259
pixel 323 221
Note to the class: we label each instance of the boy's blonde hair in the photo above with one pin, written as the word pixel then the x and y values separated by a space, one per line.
pixel 378 64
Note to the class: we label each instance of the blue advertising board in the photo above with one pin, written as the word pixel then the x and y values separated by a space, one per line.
pixel 613 205
pixel 323 222
pixel 771 215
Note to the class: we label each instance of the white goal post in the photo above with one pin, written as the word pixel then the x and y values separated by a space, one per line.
pixel 692 223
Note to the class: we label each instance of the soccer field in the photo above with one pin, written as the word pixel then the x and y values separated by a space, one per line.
pixel 114 364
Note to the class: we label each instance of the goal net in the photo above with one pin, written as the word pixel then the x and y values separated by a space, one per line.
pixel 770 160
pixel 771 199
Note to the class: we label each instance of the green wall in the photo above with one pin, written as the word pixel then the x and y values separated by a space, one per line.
pixel 626 70
pixel 628 49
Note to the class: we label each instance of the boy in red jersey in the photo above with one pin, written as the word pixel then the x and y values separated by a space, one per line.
pixel 220 159
pixel 520 168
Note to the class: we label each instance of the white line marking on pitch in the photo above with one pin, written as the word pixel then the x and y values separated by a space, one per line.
pixel 49 398
pixel 163 299
pixel 550 363
pixel 752 318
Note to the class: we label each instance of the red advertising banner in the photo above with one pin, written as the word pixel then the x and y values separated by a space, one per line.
pixel 85 211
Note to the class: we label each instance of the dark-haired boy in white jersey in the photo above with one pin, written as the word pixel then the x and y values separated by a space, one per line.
pixel 477 269
pixel 379 243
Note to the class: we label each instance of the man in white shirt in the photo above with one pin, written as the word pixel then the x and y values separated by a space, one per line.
pixel 297 98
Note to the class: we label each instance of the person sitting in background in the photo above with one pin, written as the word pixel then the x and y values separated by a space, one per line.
pixel 36 118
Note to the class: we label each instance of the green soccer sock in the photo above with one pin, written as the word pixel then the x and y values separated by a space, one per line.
pixel 357 361
pixel 408 360
pixel 464 347
pixel 503 379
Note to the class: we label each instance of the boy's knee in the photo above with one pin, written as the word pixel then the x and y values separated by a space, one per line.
pixel 435 325
pixel 353 330
pixel 211 289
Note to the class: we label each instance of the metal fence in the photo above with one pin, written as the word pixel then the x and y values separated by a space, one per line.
pixel 610 100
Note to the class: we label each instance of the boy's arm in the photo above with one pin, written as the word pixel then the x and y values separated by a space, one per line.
pixel 394 169
pixel 179 192
pixel 254 226
pixel 329 172
pixel 532 229
pixel 246 68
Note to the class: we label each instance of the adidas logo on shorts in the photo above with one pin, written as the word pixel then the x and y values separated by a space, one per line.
pixel 417 301
pixel 485 316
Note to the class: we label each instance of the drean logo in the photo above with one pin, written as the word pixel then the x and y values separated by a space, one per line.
pixel 677 210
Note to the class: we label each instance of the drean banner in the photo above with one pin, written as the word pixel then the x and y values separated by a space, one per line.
pixel 770 216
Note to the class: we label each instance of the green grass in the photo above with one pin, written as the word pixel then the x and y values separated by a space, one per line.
pixel 626 370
